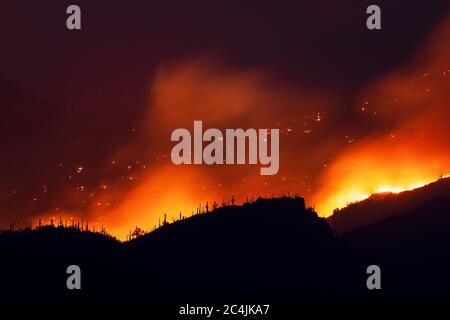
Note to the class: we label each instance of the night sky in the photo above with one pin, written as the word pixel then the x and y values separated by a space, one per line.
pixel 86 115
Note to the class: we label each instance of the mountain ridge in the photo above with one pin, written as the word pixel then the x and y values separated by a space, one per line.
pixel 384 205
pixel 271 248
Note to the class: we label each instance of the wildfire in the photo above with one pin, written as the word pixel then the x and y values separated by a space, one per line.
pixel 356 188
pixel 400 189
pixel 403 143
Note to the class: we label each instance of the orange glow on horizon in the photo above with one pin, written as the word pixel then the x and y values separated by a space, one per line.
pixel 347 196
pixel 408 146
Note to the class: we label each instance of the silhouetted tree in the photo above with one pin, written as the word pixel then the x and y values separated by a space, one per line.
pixel 138 232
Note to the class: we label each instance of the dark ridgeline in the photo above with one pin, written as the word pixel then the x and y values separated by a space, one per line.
pixel 412 250
pixel 33 262
pixel 383 205
pixel 407 234
pixel 270 248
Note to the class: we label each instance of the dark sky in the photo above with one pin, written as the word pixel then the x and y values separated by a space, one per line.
pixel 77 97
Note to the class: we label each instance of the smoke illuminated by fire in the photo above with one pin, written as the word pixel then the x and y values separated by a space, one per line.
pixel 412 150
pixel 221 98
pixel 415 149
pixel 407 146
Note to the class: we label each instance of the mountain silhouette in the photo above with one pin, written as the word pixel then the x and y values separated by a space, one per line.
pixel 271 248
pixel 383 205
pixel 34 262
pixel 267 249
pixel 411 249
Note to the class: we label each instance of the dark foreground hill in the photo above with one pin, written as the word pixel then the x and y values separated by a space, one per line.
pixel 267 249
pixel 412 250
pixel 34 262
pixel 383 205
pixel 270 248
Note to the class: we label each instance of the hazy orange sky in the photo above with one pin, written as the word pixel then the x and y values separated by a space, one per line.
pixel 89 116
pixel 412 151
